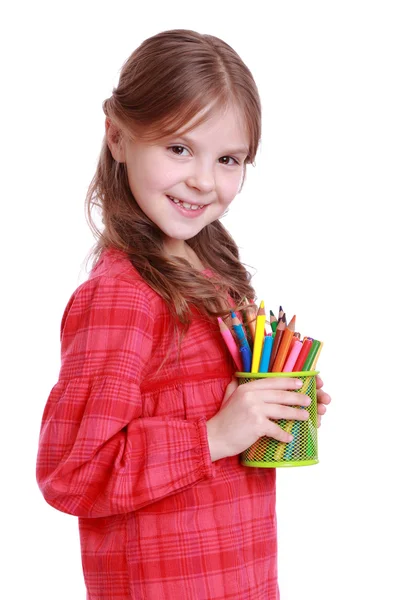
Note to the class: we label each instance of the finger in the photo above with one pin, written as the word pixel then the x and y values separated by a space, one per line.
pixel 274 383
pixel 321 409
pixel 274 431
pixel 323 397
pixel 287 398
pixel 277 411
pixel 319 382
pixel 231 387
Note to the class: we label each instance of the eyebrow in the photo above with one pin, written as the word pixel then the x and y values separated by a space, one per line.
pixel 241 150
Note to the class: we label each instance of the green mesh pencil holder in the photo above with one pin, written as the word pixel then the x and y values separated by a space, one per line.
pixel 303 449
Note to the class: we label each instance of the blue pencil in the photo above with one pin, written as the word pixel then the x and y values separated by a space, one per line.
pixel 239 330
pixel 246 358
pixel 266 354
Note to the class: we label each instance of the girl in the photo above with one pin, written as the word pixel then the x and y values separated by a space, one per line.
pixel 141 434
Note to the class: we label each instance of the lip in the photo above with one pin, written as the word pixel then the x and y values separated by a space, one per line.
pixel 187 212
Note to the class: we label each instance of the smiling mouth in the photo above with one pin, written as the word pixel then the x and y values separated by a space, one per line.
pixel 186 205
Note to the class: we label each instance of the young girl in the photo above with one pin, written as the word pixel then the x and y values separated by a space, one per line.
pixel 141 434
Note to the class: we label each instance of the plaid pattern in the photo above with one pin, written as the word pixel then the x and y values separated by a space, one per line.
pixel 124 448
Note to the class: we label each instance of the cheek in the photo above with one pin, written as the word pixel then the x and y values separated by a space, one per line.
pixel 230 188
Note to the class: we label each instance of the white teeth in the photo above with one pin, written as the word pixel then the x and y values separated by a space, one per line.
pixel 186 204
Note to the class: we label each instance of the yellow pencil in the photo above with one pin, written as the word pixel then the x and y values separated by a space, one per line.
pixel 314 364
pixel 258 338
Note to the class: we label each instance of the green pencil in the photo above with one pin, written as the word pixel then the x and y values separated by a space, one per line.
pixel 273 321
pixel 311 355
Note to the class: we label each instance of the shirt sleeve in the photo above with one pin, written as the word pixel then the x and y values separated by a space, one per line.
pixel 97 455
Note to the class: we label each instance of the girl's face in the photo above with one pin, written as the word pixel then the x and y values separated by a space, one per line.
pixel 187 182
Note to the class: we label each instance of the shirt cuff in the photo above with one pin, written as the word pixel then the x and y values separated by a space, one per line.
pixel 210 468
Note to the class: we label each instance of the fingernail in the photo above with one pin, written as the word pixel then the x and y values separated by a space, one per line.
pixel 298 383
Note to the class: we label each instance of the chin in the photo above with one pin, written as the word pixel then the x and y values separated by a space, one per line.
pixel 183 236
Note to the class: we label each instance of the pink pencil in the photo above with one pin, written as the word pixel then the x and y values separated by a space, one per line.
pixel 291 359
pixel 230 342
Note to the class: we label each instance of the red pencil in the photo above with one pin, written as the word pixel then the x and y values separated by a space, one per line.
pixel 301 359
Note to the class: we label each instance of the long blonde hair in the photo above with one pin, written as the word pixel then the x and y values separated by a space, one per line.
pixel 166 82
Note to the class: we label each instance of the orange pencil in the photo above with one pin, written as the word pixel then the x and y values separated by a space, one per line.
pixel 277 339
pixel 283 349
pixel 296 336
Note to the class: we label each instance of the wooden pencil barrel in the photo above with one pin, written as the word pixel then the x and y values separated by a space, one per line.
pixel 303 449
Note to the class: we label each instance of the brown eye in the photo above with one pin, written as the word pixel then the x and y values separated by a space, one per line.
pixel 179 148
pixel 229 157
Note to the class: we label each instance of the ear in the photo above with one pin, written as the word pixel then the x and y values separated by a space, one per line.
pixel 115 141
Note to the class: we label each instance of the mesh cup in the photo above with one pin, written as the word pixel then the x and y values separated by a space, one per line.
pixel 303 449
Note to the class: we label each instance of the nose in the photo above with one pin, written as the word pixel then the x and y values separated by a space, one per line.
pixel 202 177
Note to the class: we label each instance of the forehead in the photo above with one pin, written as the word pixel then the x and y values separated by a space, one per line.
pixel 227 124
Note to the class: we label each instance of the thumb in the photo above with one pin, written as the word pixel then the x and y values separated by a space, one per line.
pixel 231 387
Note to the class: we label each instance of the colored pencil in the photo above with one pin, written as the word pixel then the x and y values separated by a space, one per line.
pixel 230 342
pixel 266 354
pixel 314 364
pixel 283 349
pixel 311 355
pixel 240 332
pixel 296 336
pixel 298 365
pixel 251 318
pixel 258 338
pixel 292 356
pixel 277 339
pixel 273 320
pixel 245 353
pixel 290 446
pixel 267 328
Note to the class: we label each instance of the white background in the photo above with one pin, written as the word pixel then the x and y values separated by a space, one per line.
pixel 316 221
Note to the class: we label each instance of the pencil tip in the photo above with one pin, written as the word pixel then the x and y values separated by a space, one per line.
pixel 262 304
pixel 233 314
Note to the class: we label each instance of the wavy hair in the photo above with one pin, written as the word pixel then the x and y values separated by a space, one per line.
pixel 168 81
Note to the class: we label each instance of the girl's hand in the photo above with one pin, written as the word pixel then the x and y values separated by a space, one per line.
pixel 322 399
pixel 248 411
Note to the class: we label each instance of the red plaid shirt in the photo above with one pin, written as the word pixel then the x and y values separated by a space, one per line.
pixel 125 449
